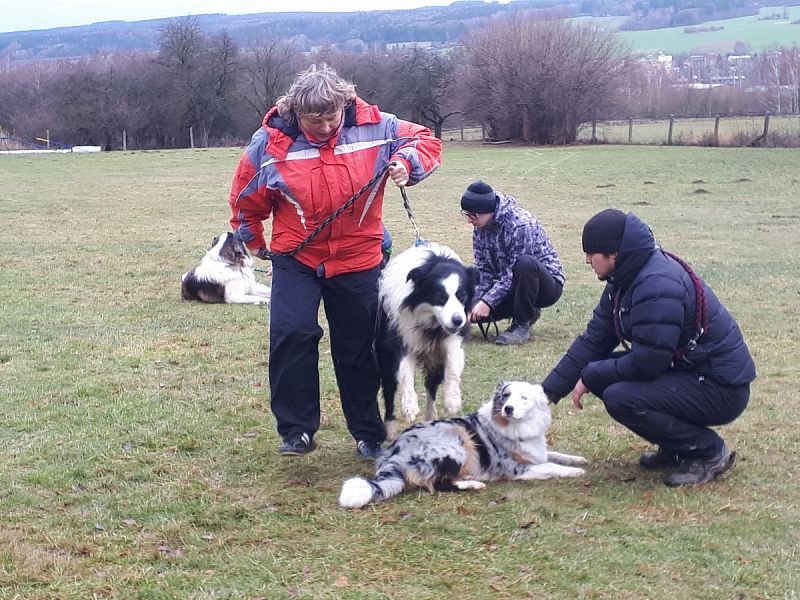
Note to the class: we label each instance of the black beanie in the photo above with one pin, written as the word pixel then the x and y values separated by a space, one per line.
pixel 479 198
pixel 603 232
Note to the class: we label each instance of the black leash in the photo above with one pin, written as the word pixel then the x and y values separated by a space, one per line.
pixel 419 241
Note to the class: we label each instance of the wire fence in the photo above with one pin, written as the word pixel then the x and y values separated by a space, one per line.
pixel 762 129
pixel 730 130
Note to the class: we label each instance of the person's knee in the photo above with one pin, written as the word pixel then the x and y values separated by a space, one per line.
pixel 618 400
pixel 294 334
pixel 525 263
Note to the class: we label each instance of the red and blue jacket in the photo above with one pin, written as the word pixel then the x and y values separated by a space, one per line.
pixel 300 183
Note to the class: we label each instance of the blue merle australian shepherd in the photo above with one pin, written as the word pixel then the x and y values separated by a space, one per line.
pixel 504 439
pixel 423 318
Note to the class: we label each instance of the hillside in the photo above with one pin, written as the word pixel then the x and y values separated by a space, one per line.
pixel 307 29
pixel 770 27
pixel 439 24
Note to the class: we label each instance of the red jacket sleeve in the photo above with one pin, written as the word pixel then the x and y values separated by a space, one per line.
pixel 421 154
pixel 250 204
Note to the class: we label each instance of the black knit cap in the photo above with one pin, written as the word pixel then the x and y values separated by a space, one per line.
pixel 479 198
pixel 603 232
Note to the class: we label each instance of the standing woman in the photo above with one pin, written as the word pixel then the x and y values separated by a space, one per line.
pixel 317 147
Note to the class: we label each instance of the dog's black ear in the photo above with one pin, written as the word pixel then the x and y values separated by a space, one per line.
pixel 419 273
pixel 214 242
pixel 471 280
pixel 498 391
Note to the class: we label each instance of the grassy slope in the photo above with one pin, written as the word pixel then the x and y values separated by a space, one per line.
pixel 758 34
pixel 137 453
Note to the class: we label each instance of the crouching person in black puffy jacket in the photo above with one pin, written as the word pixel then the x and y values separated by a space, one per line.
pixel 684 366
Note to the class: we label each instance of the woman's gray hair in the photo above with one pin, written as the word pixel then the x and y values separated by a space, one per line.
pixel 319 90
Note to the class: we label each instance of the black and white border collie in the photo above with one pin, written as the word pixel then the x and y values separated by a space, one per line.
pixel 425 293
pixel 225 275
pixel 504 439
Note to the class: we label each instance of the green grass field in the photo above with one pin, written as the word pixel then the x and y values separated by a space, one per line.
pixel 758 34
pixel 137 448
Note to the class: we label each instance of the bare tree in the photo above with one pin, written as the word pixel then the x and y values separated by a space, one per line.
pixel 431 80
pixel 267 71
pixel 202 69
pixel 537 78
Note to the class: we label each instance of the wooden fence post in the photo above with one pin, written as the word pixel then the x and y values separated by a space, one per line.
pixel 462 131
pixel 594 131
pixel 526 124
pixel 630 130
pixel 716 131
pixel 48 138
pixel 483 132
pixel 124 140
pixel 671 123
pixel 766 129
pixel 191 137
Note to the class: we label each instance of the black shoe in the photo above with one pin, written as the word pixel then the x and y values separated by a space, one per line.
pixel 297 445
pixel 517 333
pixel 698 470
pixel 660 459
pixel 369 450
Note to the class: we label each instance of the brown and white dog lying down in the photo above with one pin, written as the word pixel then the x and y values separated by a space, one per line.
pixel 225 275
pixel 504 439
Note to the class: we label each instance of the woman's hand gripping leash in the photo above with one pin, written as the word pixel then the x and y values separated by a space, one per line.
pixel 398 174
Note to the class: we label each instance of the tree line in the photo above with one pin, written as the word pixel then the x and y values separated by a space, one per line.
pixel 533 77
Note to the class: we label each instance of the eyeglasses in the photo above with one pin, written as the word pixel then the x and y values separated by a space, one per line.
pixel 469 215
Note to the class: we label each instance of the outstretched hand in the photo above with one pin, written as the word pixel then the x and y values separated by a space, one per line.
pixel 578 392
pixel 398 174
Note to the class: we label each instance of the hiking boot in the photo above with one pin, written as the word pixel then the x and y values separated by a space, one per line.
pixel 517 333
pixel 369 450
pixel 660 459
pixel 297 445
pixel 698 470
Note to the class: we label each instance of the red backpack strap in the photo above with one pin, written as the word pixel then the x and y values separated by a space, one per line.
pixel 701 308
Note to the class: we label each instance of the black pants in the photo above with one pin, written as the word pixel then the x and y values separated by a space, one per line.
pixel 676 410
pixel 351 303
pixel 532 287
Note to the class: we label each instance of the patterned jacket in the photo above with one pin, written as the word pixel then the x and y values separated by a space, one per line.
pixel 512 232
pixel 655 303
pixel 299 183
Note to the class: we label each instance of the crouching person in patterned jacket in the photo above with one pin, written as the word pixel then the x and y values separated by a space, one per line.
pixel 316 149
pixel 684 366
pixel 520 271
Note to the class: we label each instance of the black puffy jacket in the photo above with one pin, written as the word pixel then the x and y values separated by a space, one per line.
pixel 656 316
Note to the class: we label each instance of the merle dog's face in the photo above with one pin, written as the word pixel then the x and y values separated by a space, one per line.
pixel 446 289
pixel 517 399
pixel 230 248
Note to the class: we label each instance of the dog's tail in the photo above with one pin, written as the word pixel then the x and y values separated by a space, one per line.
pixel 358 492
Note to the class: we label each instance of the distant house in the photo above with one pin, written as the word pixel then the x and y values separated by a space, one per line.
pixel 409 45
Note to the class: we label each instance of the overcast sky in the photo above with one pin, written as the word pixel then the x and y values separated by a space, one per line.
pixel 16 15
